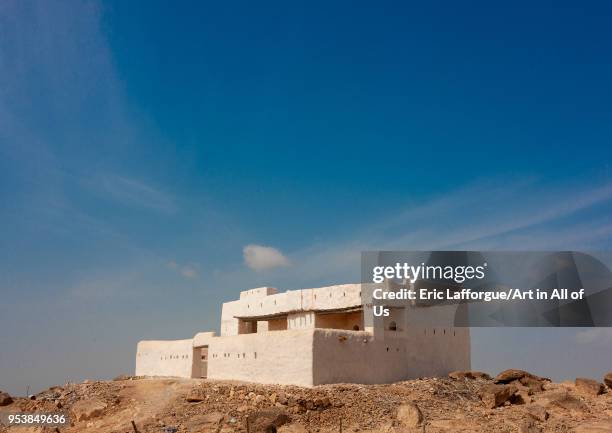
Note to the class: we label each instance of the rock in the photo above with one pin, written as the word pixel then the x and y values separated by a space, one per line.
pixel 87 409
pixel 589 386
pixel 282 398
pixel 273 397
pixel 456 425
pixel 258 399
pixel 508 376
pixel 519 397
pixel 529 426
pixel 122 377
pixel 537 412
pixel 5 399
pixel 604 426
pixel 461 375
pixel 534 384
pixel 409 415
pixel 203 422
pixel 266 420
pixel 496 395
pixel 608 379
pixel 292 428
pixel 522 395
pixel 563 400
pixel 194 398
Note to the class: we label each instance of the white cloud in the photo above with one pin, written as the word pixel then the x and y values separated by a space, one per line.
pixel 190 270
pixel 259 258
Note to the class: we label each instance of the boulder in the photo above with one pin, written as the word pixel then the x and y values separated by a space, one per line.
pixel 282 398
pixel 461 375
pixel 266 420
pixel 258 399
pixel 603 426
pixel 510 375
pixel 522 395
pixel 87 409
pixel 496 395
pixel 5 399
pixel 608 379
pixel 589 386
pixel 194 398
pixel 529 426
pixel 562 400
pixel 204 422
pixel 537 412
pixel 409 415
pixel 534 384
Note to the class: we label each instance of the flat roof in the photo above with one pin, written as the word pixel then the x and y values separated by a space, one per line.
pixel 286 313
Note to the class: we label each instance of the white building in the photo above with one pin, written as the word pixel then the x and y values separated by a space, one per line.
pixel 309 337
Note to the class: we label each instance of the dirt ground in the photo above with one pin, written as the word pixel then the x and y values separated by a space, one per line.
pixel 432 405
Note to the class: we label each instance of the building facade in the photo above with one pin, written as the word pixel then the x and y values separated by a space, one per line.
pixel 309 337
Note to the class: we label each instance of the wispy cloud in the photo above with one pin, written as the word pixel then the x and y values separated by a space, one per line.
pixel 260 258
pixel 519 215
pixel 189 271
pixel 133 192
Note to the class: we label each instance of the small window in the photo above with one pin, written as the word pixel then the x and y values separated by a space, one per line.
pixel 392 326
pixel 356 328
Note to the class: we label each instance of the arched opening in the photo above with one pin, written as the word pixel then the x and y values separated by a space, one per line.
pixel 356 328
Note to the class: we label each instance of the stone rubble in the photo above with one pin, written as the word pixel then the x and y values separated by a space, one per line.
pixel 467 402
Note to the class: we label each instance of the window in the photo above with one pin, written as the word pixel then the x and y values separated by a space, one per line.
pixel 392 326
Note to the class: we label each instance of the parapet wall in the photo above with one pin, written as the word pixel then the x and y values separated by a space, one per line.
pixel 272 357
pixel 165 358
pixel 358 357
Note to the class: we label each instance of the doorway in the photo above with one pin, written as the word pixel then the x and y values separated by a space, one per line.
pixel 200 361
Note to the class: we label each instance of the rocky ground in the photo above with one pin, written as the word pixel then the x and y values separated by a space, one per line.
pixel 514 401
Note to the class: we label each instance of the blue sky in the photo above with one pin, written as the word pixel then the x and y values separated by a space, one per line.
pixel 144 147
